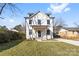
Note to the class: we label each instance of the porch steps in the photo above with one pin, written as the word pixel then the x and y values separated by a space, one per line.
pixel 39 39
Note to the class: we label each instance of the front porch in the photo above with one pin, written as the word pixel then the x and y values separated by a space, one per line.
pixel 40 32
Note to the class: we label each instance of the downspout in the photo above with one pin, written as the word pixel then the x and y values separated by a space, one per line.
pixel 25 27
pixel 53 26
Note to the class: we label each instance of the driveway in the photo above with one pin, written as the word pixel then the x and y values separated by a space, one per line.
pixel 76 43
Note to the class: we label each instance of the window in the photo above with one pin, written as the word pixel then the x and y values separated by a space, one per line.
pixel 30 32
pixel 48 21
pixel 48 32
pixel 48 14
pixel 39 21
pixel 30 14
pixel 30 21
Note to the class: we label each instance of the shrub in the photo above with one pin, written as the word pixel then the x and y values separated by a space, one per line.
pixel 56 35
pixel 16 35
pixel 6 36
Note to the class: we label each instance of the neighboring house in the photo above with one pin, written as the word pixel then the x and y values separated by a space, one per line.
pixel 14 30
pixel 39 26
pixel 57 29
pixel 69 32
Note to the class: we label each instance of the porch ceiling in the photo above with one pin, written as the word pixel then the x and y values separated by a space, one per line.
pixel 39 27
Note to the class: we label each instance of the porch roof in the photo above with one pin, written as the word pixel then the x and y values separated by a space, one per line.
pixel 39 27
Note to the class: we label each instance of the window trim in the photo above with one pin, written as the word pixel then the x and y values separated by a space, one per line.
pixel 30 31
pixel 48 21
pixel 30 21
pixel 48 32
pixel 39 21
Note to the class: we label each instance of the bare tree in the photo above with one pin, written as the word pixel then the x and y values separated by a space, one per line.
pixel 3 27
pixel 23 27
pixel 77 25
pixel 2 6
pixel 20 27
pixel 10 6
pixel 58 24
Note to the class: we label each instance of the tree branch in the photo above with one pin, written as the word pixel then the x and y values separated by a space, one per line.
pixel 2 8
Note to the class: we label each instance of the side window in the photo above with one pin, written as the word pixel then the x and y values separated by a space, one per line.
pixel 48 32
pixel 39 21
pixel 30 32
pixel 48 21
pixel 30 21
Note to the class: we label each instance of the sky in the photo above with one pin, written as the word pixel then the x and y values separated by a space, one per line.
pixel 69 12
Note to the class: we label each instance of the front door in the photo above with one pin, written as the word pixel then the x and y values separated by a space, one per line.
pixel 39 33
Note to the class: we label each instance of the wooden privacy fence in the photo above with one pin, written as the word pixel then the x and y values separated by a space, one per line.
pixel 69 35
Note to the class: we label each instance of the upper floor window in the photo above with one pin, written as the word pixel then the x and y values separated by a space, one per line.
pixel 48 21
pixel 30 21
pixel 48 14
pixel 39 21
pixel 30 14
pixel 48 32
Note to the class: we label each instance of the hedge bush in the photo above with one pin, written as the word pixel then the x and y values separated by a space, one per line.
pixel 6 36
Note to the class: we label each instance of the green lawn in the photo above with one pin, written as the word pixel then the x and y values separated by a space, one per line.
pixel 34 48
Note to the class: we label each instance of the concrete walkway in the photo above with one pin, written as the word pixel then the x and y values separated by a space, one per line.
pixel 76 43
pixel 49 41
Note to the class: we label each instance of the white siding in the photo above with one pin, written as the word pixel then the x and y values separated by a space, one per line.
pixel 43 17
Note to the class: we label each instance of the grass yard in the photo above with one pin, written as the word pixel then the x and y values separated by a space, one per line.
pixel 34 48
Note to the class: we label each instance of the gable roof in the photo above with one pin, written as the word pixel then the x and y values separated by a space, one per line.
pixel 33 14
pixel 71 29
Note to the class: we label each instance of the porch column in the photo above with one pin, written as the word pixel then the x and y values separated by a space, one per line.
pixel 35 34
pixel 46 33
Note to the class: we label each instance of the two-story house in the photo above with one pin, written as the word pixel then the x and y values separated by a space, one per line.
pixel 39 26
